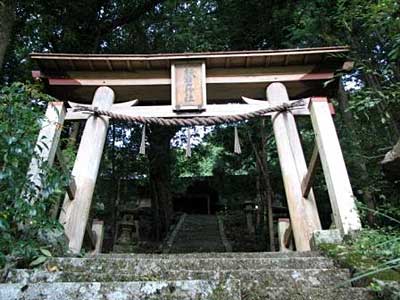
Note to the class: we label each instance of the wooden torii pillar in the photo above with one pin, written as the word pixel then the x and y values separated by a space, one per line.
pixel 75 213
pixel 47 141
pixel 337 180
pixel 303 212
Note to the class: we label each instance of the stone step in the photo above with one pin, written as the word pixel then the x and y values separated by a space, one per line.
pixel 184 250
pixel 265 277
pixel 191 240
pixel 198 236
pixel 172 290
pixel 144 265
pixel 212 255
pixel 307 293
pixel 149 290
pixel 197 247
pixel 198 233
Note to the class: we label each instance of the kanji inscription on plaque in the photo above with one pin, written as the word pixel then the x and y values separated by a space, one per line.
pixel 188 86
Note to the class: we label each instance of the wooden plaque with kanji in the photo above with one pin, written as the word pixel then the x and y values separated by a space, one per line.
pixel 188 86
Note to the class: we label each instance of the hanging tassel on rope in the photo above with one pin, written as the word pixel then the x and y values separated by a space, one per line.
pixel 237 148
pixel 188 146
pixel 142 149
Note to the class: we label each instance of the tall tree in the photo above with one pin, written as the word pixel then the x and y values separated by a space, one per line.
pixel 7 19
pixel 160 165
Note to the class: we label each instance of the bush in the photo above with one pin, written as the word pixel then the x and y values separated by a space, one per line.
pixel 371 254
pixel 25 224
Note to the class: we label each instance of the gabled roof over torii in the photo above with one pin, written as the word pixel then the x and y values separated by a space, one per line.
pixel 229 75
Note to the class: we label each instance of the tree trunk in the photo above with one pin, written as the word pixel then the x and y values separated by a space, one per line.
pixel 265 182
pixel 7 19
pixel 267 187
pixel 160 175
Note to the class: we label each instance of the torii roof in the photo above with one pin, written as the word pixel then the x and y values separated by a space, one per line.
pixel 230 75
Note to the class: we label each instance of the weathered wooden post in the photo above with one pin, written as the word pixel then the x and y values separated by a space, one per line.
pixel 98 229
pixel 47 142
pixel 310 205
pixel 75 213
pixel 302 228
pixel 249 212
pixel 337 180
pixel 284 235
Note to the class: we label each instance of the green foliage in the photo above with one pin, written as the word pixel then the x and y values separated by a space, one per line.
pixel 373 253
pixel 202 162
pixel 24 218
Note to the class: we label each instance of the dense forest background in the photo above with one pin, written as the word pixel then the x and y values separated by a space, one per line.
pixel 368 98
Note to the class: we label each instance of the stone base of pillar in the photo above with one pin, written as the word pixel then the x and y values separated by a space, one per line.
pixel 330 236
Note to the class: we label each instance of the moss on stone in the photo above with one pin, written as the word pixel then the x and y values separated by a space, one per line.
pixel 358 263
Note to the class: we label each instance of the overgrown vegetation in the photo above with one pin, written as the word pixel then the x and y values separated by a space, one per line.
pixel 26 229
pixel 373 253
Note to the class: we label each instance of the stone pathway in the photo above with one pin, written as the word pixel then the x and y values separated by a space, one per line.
pixel 201 271
pixel 198 233
pixel 190 276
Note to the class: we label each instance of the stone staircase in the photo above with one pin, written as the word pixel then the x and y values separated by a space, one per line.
pixel 198 233
pixel 213 276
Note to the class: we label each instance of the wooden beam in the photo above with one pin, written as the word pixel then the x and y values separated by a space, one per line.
pixel 254 101
pixel 74 215
pixel 98 229
pixel 312 169
pixel 269 78
pixel 288 236
pixel 91 236
pixel 209 80
pixel 47 142
pixel 109 65
pixel 302 231
pixel 109 82
pixel 117 106
pixel 299 111
pixel 337 180
pixel 71 187
pixel 310 206
pixel 91 65
pixel 166 74
pixel 283 229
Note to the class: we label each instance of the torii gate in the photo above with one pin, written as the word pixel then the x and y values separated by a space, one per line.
pixel 202 84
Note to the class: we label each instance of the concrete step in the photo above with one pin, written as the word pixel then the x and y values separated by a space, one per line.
pixel 185 247
pixel 153 265
pixel 264 277
pixel 212 255
pixel 149 290
pixel 307 293
pixel 198 249
pixel 172 290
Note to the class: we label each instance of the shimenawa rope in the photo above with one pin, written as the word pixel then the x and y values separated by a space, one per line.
pixel 192 121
